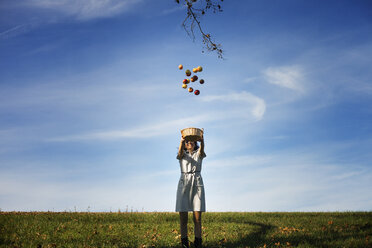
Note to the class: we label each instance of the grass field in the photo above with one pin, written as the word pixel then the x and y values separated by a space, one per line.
pixel 69 229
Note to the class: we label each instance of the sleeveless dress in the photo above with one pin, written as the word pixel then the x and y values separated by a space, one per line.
pixel 190 191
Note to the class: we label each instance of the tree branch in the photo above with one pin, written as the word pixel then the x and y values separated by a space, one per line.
pixel 193 16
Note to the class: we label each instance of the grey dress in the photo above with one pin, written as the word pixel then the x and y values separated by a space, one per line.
pixel 190 191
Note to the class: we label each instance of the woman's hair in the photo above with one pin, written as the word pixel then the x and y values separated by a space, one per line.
pixel 196 147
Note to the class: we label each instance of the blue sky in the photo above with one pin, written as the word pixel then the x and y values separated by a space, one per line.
pixel 91 105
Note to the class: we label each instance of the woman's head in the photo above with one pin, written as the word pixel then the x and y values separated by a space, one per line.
pixel 191 145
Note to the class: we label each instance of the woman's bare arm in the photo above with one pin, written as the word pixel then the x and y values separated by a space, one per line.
pixel 202 147
pixel 181 148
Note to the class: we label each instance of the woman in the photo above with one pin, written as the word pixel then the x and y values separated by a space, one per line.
pixel 190 192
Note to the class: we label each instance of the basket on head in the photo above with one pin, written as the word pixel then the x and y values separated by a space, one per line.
pixel 192 133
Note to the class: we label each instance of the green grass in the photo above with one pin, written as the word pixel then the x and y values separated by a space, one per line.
pixel 65 229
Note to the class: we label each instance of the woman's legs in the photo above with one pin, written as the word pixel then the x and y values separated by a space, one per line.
pixel 183 223
pixel 197 224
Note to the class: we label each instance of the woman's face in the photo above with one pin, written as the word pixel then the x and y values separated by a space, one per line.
pixel 190 145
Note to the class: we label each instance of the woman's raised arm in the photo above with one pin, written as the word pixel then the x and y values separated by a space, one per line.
pixel 181 148
pixel 202 147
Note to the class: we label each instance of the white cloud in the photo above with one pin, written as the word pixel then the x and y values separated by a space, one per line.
pixel 81 10
pixel 40 193
pixel 249 108
pixel 146 131
pixel 250 79
pixel 85 9
pixel 290 77
pixel 246 160
pixel 285 182
pixel 259 106
pixel 19 29
pixel 172 10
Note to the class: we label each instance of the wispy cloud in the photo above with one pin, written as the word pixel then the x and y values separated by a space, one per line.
pixel 172 10
pixel 287 181
pixel 82 10
pixel 17 30
pixel 39 193
pixel 290 77
pixel 45 48
pixel 250 79
pixel 259 106
pixel 145 131
pixel 249 107
pixel 85 9
pixel 245 161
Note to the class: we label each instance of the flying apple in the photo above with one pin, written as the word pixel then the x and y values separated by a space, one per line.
pixel 195 70
pixel 185 81
pixel 191 89
pixel 197 92
pixel 192 79
pixel 188 73
pixel 201 81
pixel 184 86
pixel 180 67
pixel 200 69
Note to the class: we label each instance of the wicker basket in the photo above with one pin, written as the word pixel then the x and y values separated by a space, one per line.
pixel 192 133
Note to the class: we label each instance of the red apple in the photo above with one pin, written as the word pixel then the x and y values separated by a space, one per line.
pixel 197 92
pixel 185 81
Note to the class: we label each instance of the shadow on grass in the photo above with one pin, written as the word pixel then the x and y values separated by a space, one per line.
pixel 253 239
pixel 331 238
